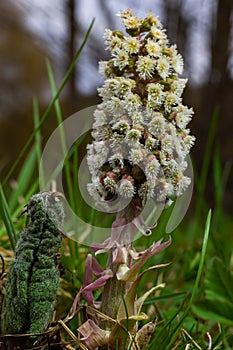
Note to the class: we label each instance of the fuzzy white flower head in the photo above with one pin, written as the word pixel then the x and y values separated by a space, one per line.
pixel 182 185
pixel 116 160
pixel 152 167
pixel 157 125
pixel 100 118
pixel 121 127
pixel 136 155
pixel 163 67
pixel 105 71
pixel 151 143
pixel 132 102
pixel 133 136
pixel 183 117
pixel 125 86
pixel 108 35
pixel 171 103
pixel 131 45
pixel 167 144
pixel 115 45
pixel 154 21
pixel 146 190
pixel 92 190
pixel 137 117
pixel 131 22
pixel 110 184
pixel 188 143
pixel 155 95
pixel 126 188
pixel 166 191
pixel 177 63
pixel 170 167
pixel 140 129
pixel 121 59
pixel 153 48
pixel 177 86
pixel 159 34
pixel 145 67
pixel 115 105
pixel 101 148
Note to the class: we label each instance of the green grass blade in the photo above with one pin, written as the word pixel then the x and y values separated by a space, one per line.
pixel 23 179
pixel 218 183
pixel 201 206
pixel 38 142
pixel 162 335
pixel 221 175
pixel 75 176
pixel 165 297
pixel 62 134
pixel 198 277
pixel 208 151
pixel 6 217
pixel 49 108
pixel 202 259
pixel 32 190
pixel 202 179
pixel 19 208
pixel 24 188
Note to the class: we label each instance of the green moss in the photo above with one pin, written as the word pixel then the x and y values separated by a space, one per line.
pixel 33 276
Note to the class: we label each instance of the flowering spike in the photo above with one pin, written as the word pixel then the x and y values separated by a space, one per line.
pixel 140 142
pixel 141 121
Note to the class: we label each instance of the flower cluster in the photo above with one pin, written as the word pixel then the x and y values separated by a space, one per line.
pixel 140 132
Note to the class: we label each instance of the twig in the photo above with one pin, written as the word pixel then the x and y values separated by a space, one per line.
pixel 210 341
pixel 189 336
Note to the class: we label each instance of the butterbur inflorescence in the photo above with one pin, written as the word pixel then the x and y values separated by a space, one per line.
pixel 139 151
pixel 140 132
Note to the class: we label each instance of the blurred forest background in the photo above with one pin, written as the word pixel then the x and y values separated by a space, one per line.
pixel 31 31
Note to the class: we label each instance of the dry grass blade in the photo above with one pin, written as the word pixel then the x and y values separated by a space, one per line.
pixel 91 310
pixel 72 335
pixel 192 340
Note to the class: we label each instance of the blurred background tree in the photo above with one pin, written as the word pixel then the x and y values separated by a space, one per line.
pixel 30 31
